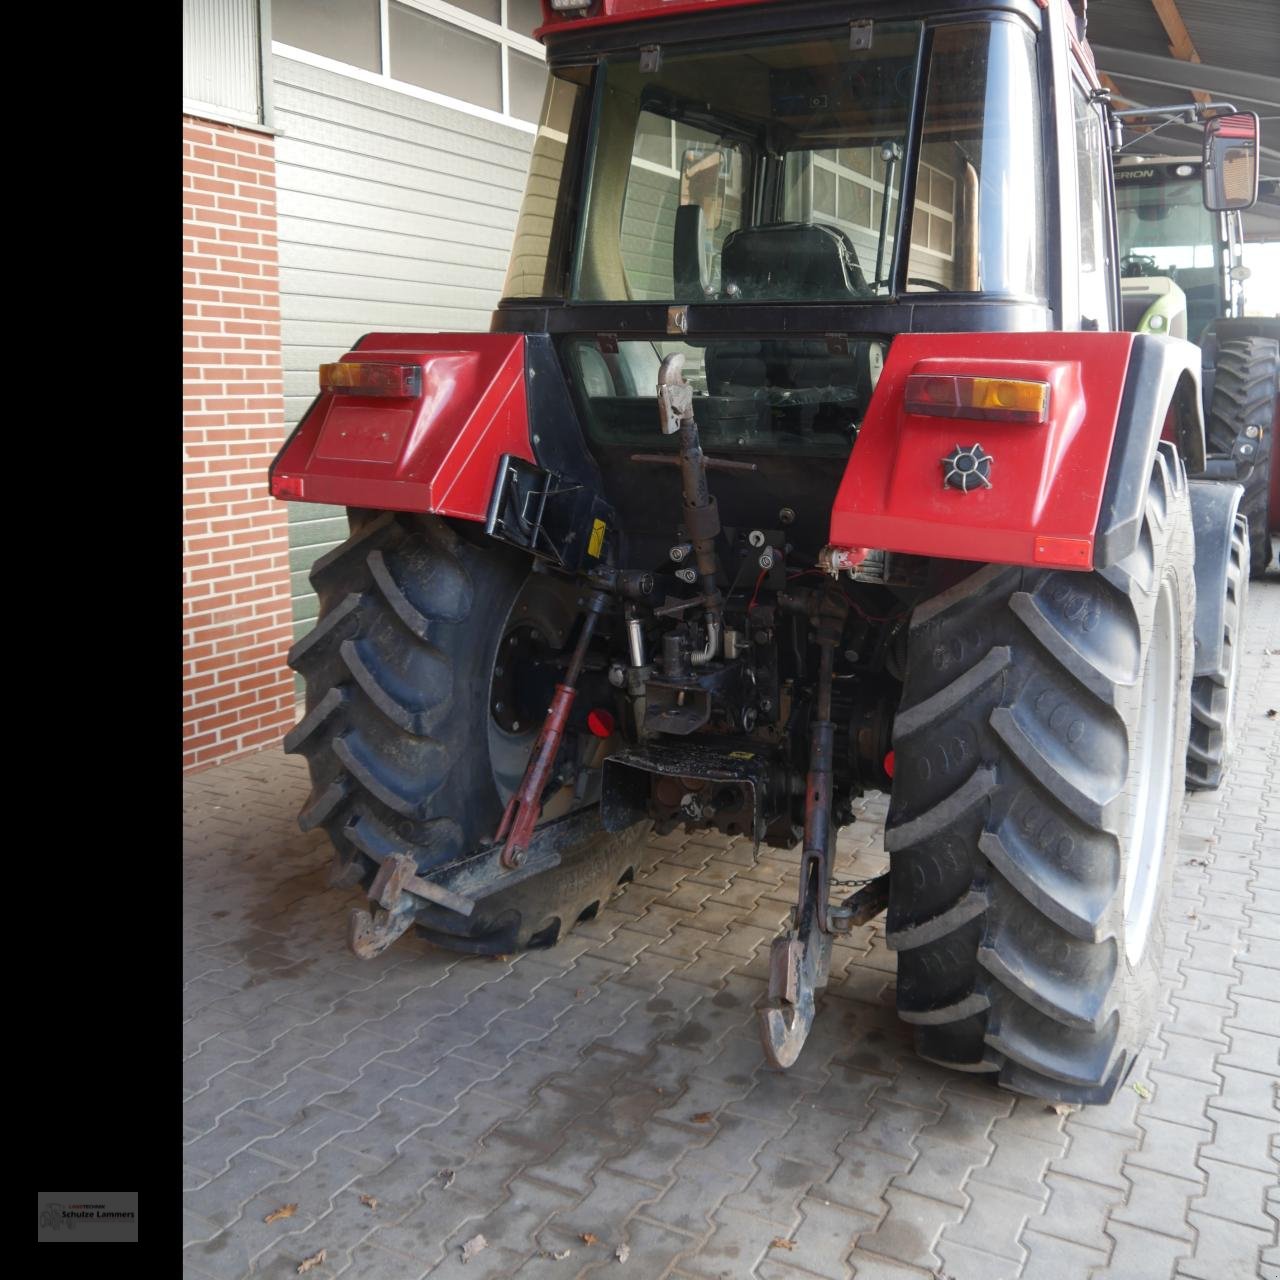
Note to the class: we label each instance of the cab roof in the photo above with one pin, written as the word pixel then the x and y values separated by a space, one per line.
pixel 600 13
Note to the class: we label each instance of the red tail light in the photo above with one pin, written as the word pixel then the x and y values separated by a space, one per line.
pixel 996 399
pixel 365 378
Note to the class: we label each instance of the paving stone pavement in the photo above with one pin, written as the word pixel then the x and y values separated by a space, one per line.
pixel 613 1087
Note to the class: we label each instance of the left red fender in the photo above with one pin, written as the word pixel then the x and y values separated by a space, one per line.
pixel 411 422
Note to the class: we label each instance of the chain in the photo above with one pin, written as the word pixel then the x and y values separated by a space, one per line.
pixel 848 882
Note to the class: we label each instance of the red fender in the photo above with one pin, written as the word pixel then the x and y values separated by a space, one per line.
pixel 1046 478
pixel 436 451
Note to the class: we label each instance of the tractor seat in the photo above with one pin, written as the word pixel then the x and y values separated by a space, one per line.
pixel 798 382
pixel 791 262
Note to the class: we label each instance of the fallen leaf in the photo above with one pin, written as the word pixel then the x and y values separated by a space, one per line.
pixel 371 1201
pixel 587 1238
pixel 1142 1091
pixel 473 1246
pixel 285 1211
pixel 1063 1108
pixel 307 1263
pixel 581 991
pixel 622 1252
pixel 781 1242
pixel 446 1177
pixel 556 1255
pixel 703 1117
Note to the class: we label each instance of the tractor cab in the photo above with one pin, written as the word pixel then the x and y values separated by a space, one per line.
pixel 775 194
pixel 1179 261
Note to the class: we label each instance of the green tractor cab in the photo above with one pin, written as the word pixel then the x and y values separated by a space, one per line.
pixel 1182 273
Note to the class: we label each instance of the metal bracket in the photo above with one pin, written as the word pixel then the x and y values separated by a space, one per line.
pixel 398 891
pixel 861 907
pixel 675 395
pixel 860 34
pixel 398 875
pixel 650 58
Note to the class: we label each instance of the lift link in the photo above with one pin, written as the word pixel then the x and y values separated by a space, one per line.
pixel 525 806
pixel 701 514
pixel 800 960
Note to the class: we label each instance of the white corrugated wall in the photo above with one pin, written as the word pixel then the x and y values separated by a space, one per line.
pixel 395 214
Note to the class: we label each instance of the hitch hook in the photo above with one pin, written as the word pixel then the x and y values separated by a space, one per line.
pixel 800 960
pixel 799 964
pixel 369 934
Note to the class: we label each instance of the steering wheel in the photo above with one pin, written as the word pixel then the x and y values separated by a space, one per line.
pixel 929 284
pixel 1136 265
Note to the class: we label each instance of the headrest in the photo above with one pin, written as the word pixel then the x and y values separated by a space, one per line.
pixel 792 262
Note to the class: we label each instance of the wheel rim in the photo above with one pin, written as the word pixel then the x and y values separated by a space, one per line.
pixel 510 737
pixel 1228 732
pixel 1154 748
pixel 1235 619
pixel 536 628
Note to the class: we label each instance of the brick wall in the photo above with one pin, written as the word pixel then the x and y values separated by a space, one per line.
pixel 237 692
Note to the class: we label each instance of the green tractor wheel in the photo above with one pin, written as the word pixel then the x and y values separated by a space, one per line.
pixel 1242 415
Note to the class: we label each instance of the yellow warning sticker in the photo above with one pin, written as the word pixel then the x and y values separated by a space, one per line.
pixel 742 755
pixel 598 530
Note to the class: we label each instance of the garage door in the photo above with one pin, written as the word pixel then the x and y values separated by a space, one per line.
pixel 395 213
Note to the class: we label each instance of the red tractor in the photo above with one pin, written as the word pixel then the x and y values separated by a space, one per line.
pixel 805 457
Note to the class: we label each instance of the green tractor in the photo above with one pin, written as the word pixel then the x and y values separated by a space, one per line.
pixel 1183 275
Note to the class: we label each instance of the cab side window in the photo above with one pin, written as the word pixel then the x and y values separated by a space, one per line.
pixel 1095 242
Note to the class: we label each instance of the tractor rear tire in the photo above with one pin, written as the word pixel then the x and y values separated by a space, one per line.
pixel 1245 386
pixel 1040 748
pixel 1213 695
pixel 397 732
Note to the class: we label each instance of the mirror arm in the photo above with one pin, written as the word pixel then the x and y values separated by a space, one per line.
pixel 1191 112
pixel 1183 113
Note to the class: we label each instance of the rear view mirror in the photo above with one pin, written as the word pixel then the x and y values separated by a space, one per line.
pixel 1231 161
